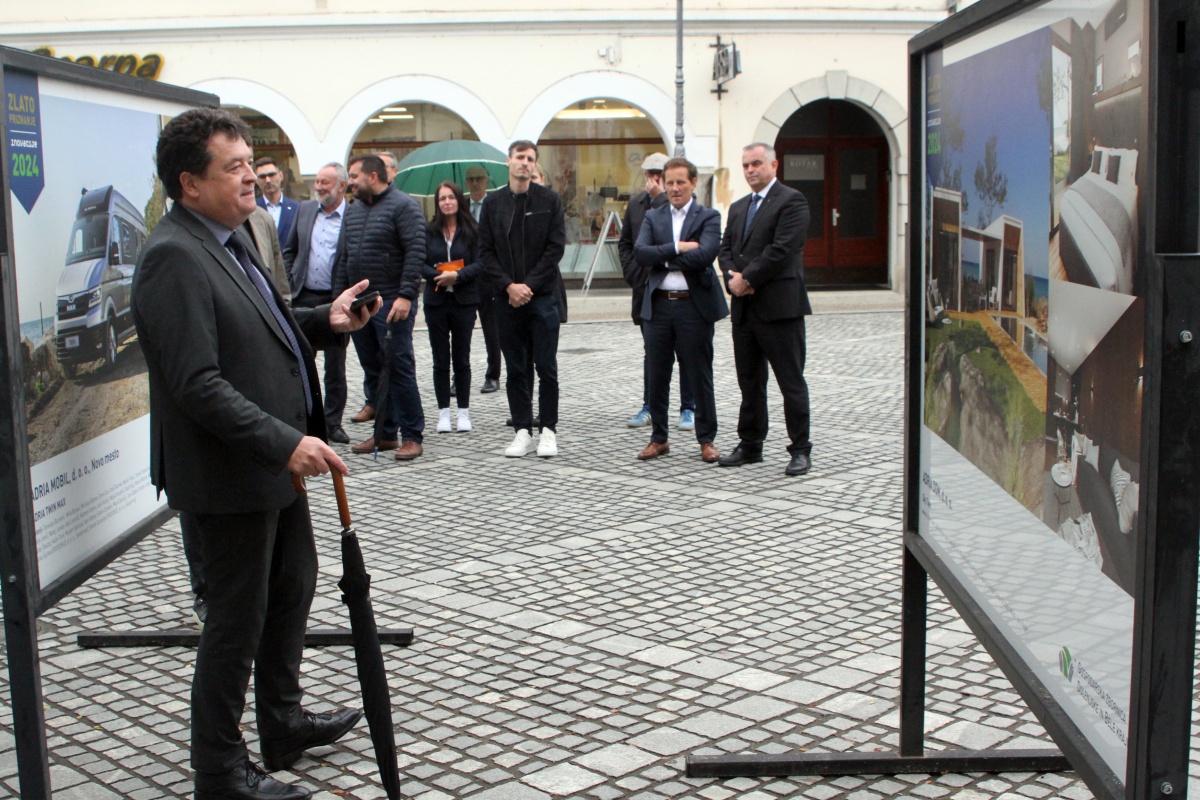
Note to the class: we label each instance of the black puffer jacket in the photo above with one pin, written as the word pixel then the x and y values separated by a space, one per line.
pixel 383 240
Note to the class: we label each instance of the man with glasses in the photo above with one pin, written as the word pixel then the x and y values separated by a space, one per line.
pixel 281 208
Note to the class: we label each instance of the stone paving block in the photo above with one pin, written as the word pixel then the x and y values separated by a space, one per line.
pixel 758 709
pixel 755 680
pixel 563 780
pixel 663 655
pixel 801 692
pixel 622 644
pixel 841 677
pixel 970 736
pixel 859 706
pixel 617 759
pixel 712 724
pixel 511 791
pixel 667 741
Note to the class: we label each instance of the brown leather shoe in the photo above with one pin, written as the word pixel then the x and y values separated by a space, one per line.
pixel 369 445
pixel 366 415
pixel 408 451
pixel 654 450
pixel 709 452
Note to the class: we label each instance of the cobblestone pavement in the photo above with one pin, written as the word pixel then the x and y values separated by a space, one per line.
pixel 586 621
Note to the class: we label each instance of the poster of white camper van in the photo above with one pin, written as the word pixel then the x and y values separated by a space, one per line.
pixel 93 316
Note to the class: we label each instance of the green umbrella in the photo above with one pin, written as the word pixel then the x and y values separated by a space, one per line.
pixel 424 169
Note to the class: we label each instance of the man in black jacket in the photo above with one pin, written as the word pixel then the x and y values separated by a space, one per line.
pixel 383 240
pixel 762 258
pixel 636 276
pixel 522 239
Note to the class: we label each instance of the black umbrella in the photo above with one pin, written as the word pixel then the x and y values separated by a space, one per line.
pixel 356 594
pixel 381 391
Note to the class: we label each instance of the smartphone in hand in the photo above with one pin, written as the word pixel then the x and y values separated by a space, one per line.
pixel 363 300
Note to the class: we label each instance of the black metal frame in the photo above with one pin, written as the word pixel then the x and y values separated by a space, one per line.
pixel 1169 516
pixel 24 598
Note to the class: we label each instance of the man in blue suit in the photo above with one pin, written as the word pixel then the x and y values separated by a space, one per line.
pixel 282 209
pixel 683 299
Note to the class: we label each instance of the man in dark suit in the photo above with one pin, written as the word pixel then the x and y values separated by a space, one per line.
pixel 522 235
pixel 281 208
pixel 762 258
pixel 233 388
pixel 636 275
pixel 682 301
pixel 309 255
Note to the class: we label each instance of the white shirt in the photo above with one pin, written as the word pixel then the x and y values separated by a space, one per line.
pixel 274 209
pixel 674 280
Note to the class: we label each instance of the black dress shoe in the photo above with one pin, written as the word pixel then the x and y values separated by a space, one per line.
pixel 740 455
pixel 315 731
pixel 246 782
pixel 489 385
pixel 798 465
pixel 338 434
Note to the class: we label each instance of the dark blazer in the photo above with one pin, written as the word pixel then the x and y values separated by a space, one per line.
pixel 633 272
pixel 466 289
pixel 655 250
pixel 227 404
pixel 296 247
pixel 545 242
pixel 770 255
pixel 287 214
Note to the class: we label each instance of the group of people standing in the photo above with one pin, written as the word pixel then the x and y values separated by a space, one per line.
pixel 495 256
pixel 233 436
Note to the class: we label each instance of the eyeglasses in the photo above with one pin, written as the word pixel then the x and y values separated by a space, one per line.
pixel 268 175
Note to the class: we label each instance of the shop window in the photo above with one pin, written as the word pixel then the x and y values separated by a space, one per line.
pixel 592 154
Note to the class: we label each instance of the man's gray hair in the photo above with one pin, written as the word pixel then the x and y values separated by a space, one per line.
pixel 342 175
pixel 768 149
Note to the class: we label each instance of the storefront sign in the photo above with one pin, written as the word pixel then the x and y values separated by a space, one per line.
pixel 148 66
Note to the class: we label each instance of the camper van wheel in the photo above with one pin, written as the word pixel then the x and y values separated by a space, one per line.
pixel 110 345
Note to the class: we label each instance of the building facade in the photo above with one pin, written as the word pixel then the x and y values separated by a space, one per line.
pixel 595 86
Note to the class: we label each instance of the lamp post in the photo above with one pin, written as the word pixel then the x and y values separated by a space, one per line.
pixel 679 79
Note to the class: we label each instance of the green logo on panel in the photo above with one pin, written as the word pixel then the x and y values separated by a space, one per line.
pixel 1066 664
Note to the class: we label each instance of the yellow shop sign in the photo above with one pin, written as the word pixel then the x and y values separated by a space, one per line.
pixel 148 66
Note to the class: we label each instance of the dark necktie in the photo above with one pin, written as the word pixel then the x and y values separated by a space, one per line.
pixel 754 198
pixel 235 246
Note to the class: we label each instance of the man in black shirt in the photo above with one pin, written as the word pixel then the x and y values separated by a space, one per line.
pixel 522 239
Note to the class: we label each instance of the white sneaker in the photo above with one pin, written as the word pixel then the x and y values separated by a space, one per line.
pixel 521 445
pixel 547 444
pixel 443 421
pixel 464 420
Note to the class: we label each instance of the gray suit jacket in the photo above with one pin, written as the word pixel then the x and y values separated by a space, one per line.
pixel 295 249
pixel 227 406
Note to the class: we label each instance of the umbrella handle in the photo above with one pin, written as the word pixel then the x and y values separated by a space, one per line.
pixel 339 489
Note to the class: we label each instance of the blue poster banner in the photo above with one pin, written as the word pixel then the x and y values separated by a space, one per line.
pixel 23 124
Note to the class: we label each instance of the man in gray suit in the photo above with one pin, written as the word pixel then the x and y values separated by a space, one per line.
pixel 308 256
pixel 233 388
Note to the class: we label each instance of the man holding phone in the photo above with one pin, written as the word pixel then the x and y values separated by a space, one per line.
pixel 234 429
